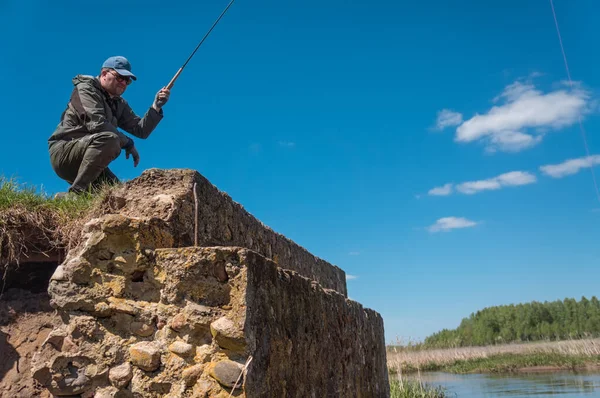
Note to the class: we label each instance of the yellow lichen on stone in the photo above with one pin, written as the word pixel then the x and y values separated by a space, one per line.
pixel 121 305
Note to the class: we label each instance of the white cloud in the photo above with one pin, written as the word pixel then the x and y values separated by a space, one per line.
pixel 512 141
pixel 516 178
pixel 571 166
pixel 447 118
pixel 448 223
pixel 444 190
pixel 523 115
pixel 472 187
pixel 353 253
pixel 511 179
pixel 351 277
pixel 287 144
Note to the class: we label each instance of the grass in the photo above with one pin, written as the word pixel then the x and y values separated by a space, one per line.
pixel 33 222
pixel 571 354
pixel 505 363
pixel 15 196
pixel 415 388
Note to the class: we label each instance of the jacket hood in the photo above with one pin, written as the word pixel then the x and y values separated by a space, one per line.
pixel 87 79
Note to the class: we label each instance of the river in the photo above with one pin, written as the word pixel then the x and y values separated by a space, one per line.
pixel 527 385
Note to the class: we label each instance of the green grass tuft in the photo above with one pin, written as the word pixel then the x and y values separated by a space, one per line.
pixel 14 195
pixel 411 388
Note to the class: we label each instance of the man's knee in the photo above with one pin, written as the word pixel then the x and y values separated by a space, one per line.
pixel 107 142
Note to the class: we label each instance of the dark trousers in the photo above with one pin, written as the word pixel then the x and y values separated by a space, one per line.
pixel 83 162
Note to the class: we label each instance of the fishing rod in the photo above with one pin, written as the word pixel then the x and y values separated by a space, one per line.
pixel 172 82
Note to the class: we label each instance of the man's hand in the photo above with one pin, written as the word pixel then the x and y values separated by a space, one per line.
pixel 161 98
pixel 133 152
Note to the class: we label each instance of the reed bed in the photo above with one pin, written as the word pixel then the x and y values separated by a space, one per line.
pixel 557 353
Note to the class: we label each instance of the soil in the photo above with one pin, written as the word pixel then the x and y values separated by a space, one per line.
pixel 26 319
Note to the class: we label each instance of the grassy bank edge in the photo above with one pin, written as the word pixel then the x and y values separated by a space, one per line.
pixel 31 221
pixel 24 197
pixel 507 363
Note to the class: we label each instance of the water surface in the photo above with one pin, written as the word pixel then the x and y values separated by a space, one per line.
pixel 527 385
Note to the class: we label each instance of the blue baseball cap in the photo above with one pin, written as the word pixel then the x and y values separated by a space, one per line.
pixel 121 65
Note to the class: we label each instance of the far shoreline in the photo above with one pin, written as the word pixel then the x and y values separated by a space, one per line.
pixel 571 355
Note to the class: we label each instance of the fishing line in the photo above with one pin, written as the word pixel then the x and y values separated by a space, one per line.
pixel 172 82
pixel 585 143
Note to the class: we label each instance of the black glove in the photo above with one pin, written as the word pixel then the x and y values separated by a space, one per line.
pixel 133 152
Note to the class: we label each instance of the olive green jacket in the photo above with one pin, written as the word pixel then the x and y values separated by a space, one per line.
pixel 91 110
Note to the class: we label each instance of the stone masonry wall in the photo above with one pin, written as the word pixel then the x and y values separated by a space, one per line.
pixel 145 314
pixel 183 322
pixel 307 341
pixel 169 195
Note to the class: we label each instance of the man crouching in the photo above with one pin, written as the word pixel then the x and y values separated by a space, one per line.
pixel 87 139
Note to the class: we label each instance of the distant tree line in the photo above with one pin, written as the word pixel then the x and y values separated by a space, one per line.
pixel 556 320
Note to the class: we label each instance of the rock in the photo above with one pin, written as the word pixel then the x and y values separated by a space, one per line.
pixel 80 272
pixel 198 315
pixel 108 392
pixel 203 387
pixel 227 335
pixel 220 273
pixel 142 329
pixel 203 353
pixel 42 374
pixel 121 375
pixel 102 310
pixel 190 375
pixel 161 388
pixel 181 348
pixel 226 372
pixel 69 346
pixel 145 355
pixel 60 274
pixel 70 379
pixel 121 305
pixel 178 322
pixel 55 338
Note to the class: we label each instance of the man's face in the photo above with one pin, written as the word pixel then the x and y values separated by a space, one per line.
pixel 114 83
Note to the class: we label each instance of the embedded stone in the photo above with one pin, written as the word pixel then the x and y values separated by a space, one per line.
pixel 203 387
pixel 59 274
pixel 227 335
pixel 55 338
pixel 198 315
pixel 102 310
pixel 121 305
pixel 145 355
pixel 121 375
pixel 203 353
pixel 108 392
pixel 181 348
pixel 178 322
pixel 142 329
pixel 69 376
pixel 190 375
pixel 226 372
pixel 69 346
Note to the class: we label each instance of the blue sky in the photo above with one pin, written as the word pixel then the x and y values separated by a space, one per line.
pixel 406 142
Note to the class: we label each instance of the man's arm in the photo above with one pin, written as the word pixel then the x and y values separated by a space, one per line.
pixel 135 125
